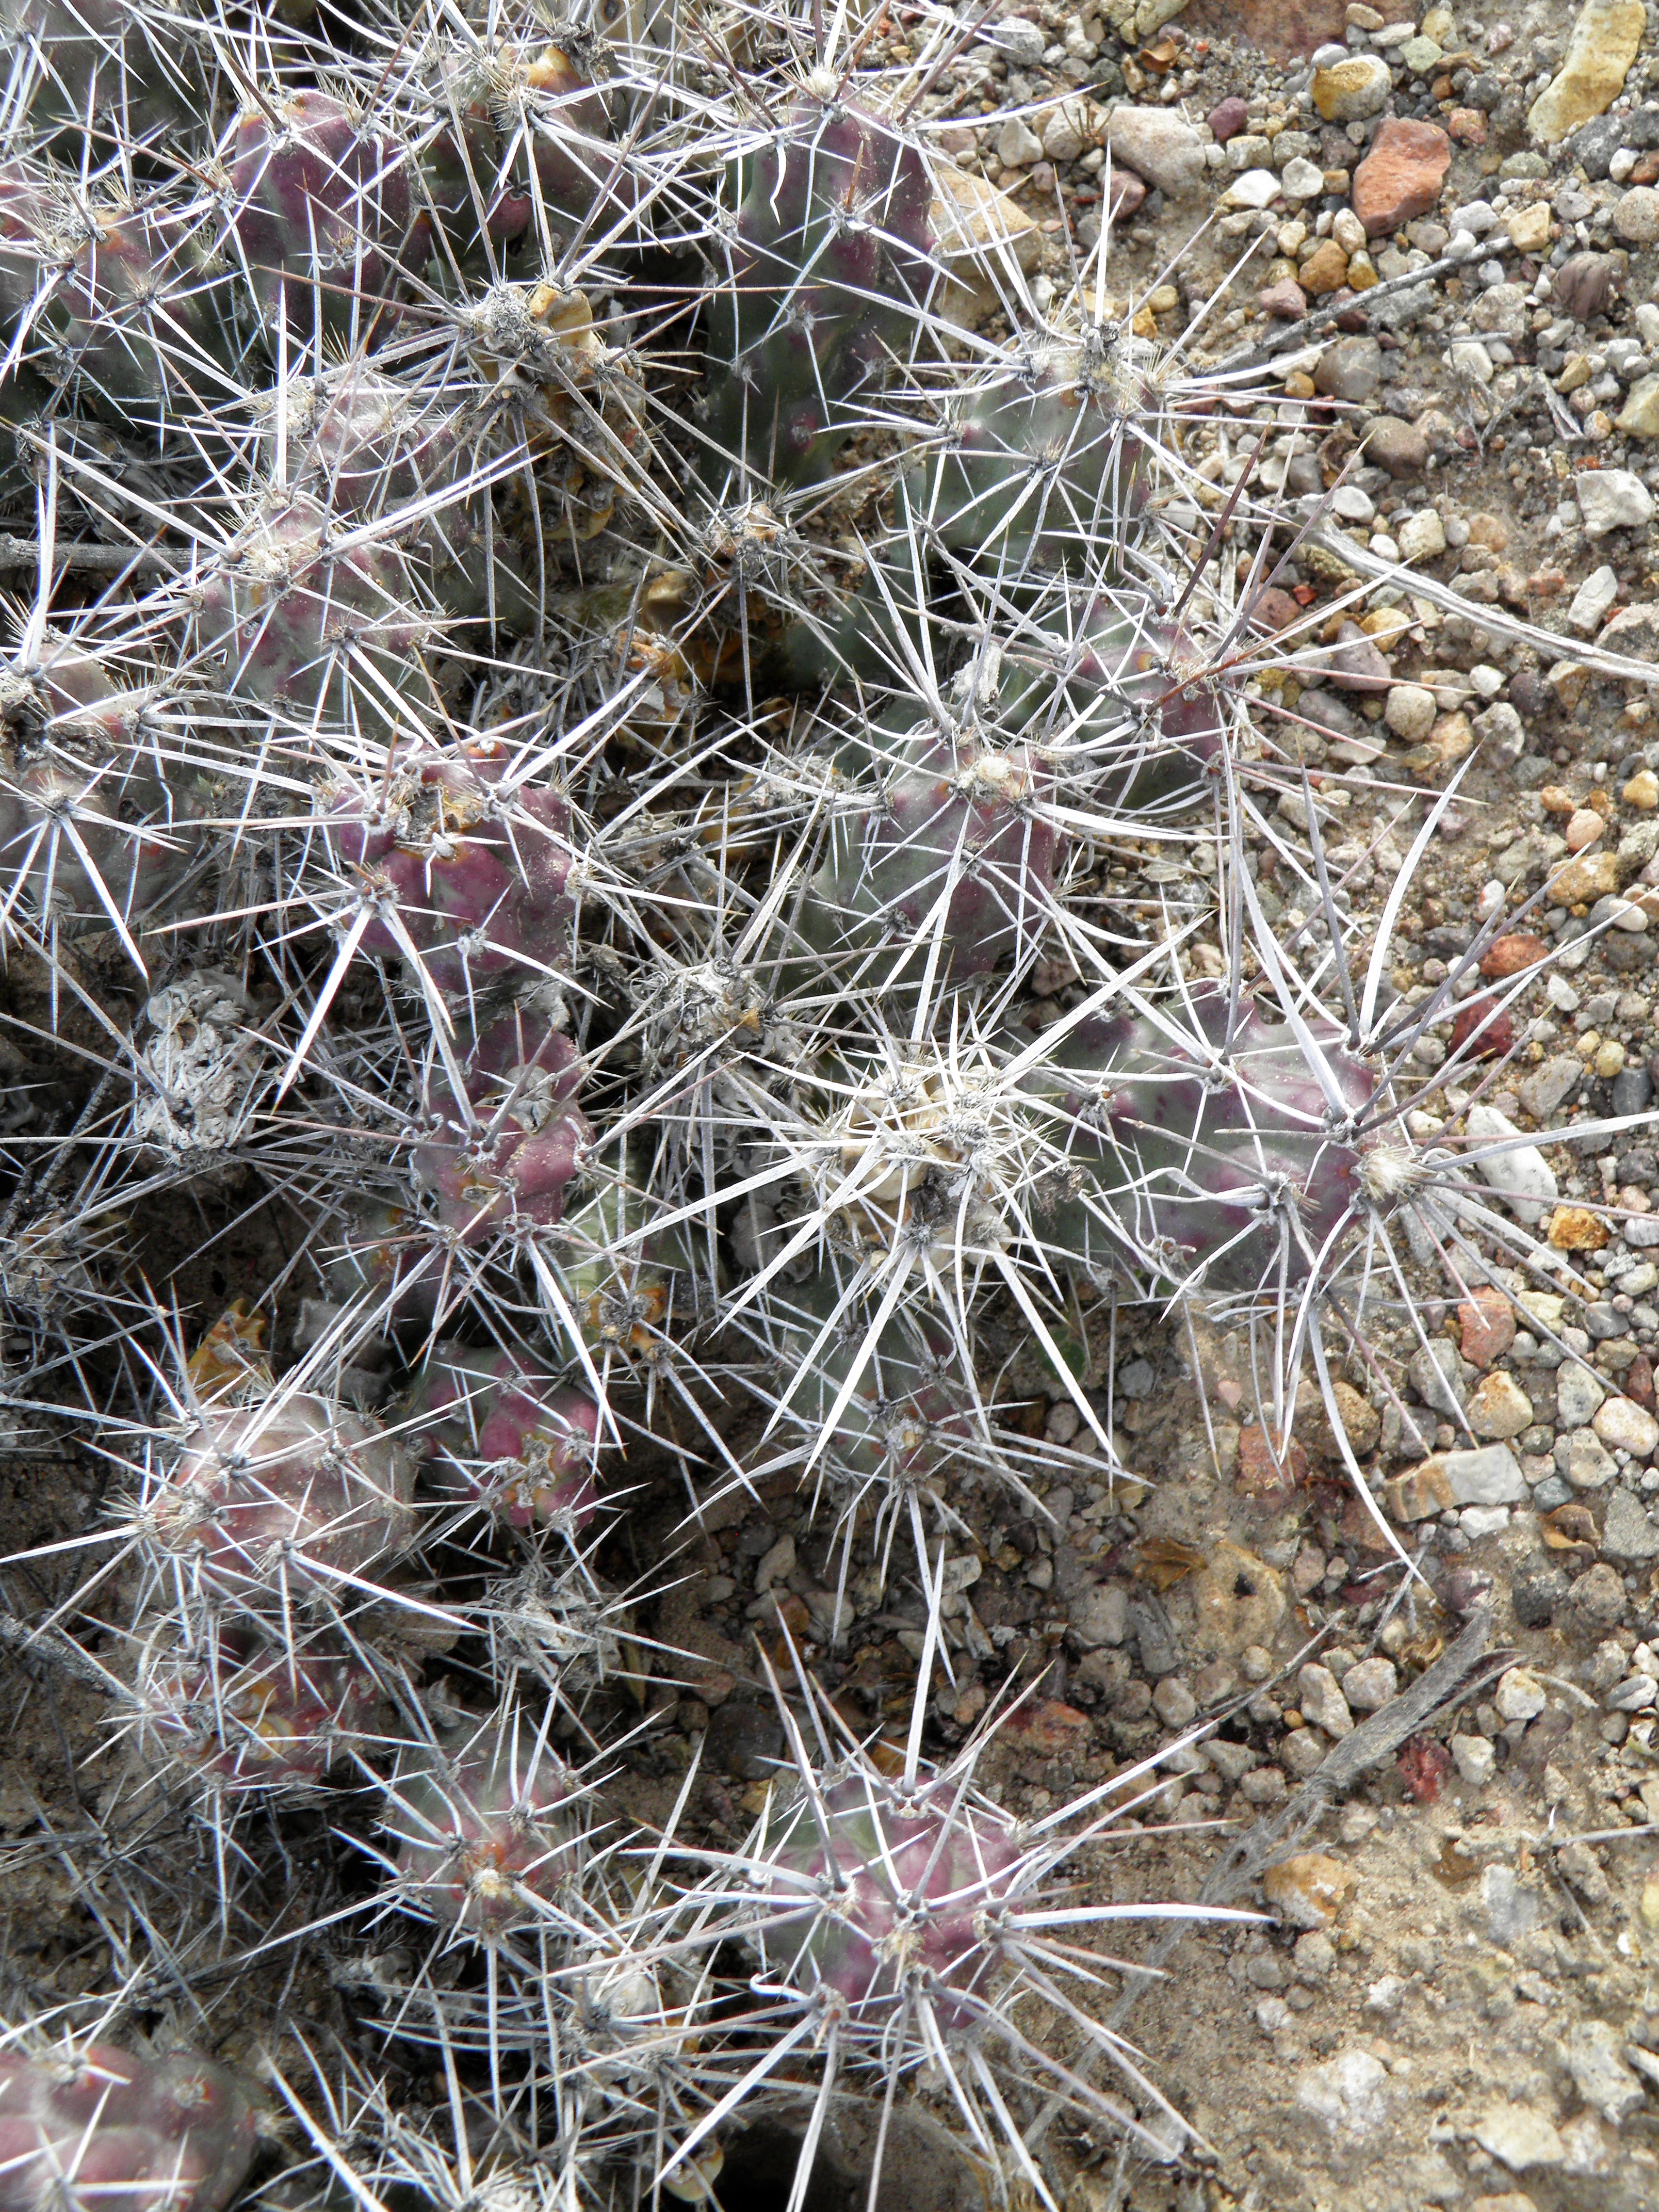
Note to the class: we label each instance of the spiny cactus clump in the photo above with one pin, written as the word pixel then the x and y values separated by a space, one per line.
pixel 100 2125
pixel 569 769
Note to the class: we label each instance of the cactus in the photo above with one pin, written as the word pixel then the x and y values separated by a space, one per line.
pixel 1042 459
pixel 103 2126
pixel 289 1497
pixel 501 1154
pixel 1228 1153
pixel 824 277
pixel 324 217
pixel 573 757
pixel 951 872
pixel 480 1831
pixel 471 871
pixel 240 1715
pixel 523 1447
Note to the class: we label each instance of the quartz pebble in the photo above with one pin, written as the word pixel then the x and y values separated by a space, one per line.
pixel 1474 1759
pixel 1370 1685
pixel 1611 499
pixel 1520 1696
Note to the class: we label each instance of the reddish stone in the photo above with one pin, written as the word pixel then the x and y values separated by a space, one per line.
pixel 1423 1765
pixel 1259 1474
pixel 1401 176
pixel 1481 1030
pixel 1638 1381
pixel 1045 1729
pixel 1467 126
pixel 1127 193
pixel 1646 171
pixel 1286 300
pixel 1227 120
pixel 1487 1324
pixel 1273 610
pixel 1509 954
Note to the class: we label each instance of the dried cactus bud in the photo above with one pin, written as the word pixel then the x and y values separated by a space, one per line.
pixel 108 2131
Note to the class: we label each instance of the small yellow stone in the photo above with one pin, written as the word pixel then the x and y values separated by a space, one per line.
pixel 1576 372
pixel 1529 227
pixel 1576 1229
pixel 1590 1044
pixel 1438 25
pixel 1164 301
pixel 1642 790
pixel 1298 385
pixel 1609 1060
pixel 1362 273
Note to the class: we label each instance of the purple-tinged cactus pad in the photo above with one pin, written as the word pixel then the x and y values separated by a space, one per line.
pixel 109 2131
pixel 959 850
pixel 501 1156
pixel 291 1492
pixel 481 1832
pixel 243 1718
pixel 523 1445
pixel 323 212
pixel 822 285
pixel 479 869
pixel 874 1890
pixel 1213 1155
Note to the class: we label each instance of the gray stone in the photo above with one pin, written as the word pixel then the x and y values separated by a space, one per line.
pixel 1323 1701
pixel 1585 1460
pixel 1629 1531
pixel 1632 1091
pixel 1520 2137
pixel 1351 369
pixel 1510 1910
pixel 1100 1615
pixel 1521 1175
pixel 1023 42
pixel 1599 2072
pixel 1370 1685
pixel 1549 1087
pixel 1158 145
pixel 1437 1373
pixel 1490 1476
pixel 1474 1759
pixel 1579 1395
pixel 1349 2093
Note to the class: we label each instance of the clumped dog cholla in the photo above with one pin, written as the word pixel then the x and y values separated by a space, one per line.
pixel 560 769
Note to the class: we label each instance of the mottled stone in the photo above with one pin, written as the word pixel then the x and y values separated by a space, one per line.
pixel 1309 1889
pixel 1348 91
pixel 1402 175
pixel 1499 1407
pixel 1485 1322
pixel 1625 1426
pixel 1158 145
pixel 1600 52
